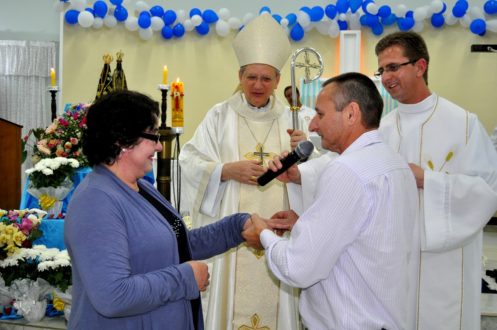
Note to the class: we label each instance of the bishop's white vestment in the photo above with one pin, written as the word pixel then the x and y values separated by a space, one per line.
pixel 243 292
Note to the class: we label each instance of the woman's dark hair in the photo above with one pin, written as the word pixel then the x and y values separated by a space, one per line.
pixel 115 121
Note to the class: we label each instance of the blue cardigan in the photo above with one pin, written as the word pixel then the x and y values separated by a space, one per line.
pixel 125 262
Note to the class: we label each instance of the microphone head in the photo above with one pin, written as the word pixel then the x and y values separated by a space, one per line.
pixel 304 149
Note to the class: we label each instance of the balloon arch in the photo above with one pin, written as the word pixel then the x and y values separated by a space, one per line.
pixel 328 20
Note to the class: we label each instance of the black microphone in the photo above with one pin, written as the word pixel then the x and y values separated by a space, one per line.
pixel 302 151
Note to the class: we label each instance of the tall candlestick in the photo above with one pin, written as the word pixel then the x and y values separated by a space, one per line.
pixel 164 75
pixel 52 76
pixel 177 93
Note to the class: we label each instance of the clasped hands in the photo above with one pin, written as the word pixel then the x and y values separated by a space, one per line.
pixel 278 223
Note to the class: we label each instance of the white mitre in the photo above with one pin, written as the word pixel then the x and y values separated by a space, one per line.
pixel 262 41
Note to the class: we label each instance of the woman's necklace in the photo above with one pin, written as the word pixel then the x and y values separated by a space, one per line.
pixel 259 148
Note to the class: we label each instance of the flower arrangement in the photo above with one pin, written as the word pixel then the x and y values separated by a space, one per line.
pixel 52 172
pixel 18 229
pixel 62 137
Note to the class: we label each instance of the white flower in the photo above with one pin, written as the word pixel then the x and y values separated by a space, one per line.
pixel 47 171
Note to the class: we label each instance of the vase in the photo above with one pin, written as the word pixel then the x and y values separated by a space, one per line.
pixel 50 198
pixel 31 310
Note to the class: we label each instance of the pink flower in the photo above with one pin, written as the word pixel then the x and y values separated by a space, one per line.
pixel 63 122
pixel 51 128
pixel 74 141
pixel 26 226
pixel 68 145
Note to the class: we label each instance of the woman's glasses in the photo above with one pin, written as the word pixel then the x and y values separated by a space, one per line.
pixel 150 136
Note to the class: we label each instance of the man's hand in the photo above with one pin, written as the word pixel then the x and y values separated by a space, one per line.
pixel 296 136
pixel 244 171
pixel 283 221
pixel 292 174
pixel 419 175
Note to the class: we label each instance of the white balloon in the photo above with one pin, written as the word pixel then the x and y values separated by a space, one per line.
pixel 354 21
pixel 110 21
pixel 79 5
pixel 418 26
pixel 436 6
pixel 188 25
pixel 342 17
pixel 141 6
pixel 157 23
pixel 309 27
pixel 323 27
pixel 284 22
pixel 303 18
pixel 420 14
pixel 235 23
pixel 131 24
pixel 492 25
pixel 334 29
pixel 247 18
pixel 98 22
pixel 85 19
pixel 401 10
pixel 224 14
pixel 146 34
pixel 222 28
pixel 465 21
pixel 372 8
pixel 180 16
pixel 476 12
pixel 196 20
pixel 451 19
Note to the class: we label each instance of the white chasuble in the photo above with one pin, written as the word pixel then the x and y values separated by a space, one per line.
pixel 459 197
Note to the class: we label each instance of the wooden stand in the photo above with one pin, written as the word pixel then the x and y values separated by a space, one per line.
pixel 10 165
pixel 53 105
pixel 164 158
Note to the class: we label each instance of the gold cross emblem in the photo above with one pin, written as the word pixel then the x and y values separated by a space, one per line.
pixel 255 320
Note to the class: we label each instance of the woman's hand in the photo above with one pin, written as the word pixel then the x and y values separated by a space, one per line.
pixel 201 273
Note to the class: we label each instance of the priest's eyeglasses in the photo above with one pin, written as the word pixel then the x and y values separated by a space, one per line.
pixel 394 67
pixel 150 136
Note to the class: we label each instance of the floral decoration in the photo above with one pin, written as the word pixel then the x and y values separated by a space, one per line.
pixel 18 229
pixel 52 172
pixel 62 138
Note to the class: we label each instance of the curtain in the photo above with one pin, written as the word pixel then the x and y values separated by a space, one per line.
pixel 24 81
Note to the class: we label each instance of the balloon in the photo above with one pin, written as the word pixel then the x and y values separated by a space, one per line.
pixel 334 29
pixel 420 13
pixel 98 22
pixel 492 25
pixel 317 13
pixel 284 22
pixel 141 6
pixel 110 21
pixel 196 20
pixel 476 12
pixel 437 20
pixel 210 16
pixel 369 20
pixel 343 25
pixel 85 19
pixel 297 32
pixel 384 11
pixel 202 29
pixel 292 19
pixel 371 8
pixel 323 27
pixel 401 10
pixel 116 2
pixel 405 24
pixel 490 7
pixel 303 19
pixel 188 25
pixel 265 9
pixel 330 11
pixel 144 20
pixel 342 6
pixel 100 8
pixel 195 11
pixel 355 5
pixel 146 34
pixel 181 14
pixel 247 18
pixel 169 17
pixel 478 26
pixel 235 23
pixel 178 30
pixel 157 11
pixel 167 32
pixel 157 23
pixel 389 20
pixel 277 18
pixel 306 10
pixel 450 19
pixel 71 16
pixel 460 9
pixel 377 29
pixel 224 13
pixel 436 6
pixel 131 24
pixel 418 27
pixel 120 13
pixel 222 28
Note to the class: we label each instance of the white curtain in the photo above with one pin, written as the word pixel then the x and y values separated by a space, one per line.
pixel 24 81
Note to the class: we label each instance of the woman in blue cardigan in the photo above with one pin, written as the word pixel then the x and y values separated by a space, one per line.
pixel 134 263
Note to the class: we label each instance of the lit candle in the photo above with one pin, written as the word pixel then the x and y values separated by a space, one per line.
pixel 177 93
pixel 164 75
pixel 52 76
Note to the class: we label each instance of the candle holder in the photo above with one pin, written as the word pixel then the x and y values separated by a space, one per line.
pixel 53 104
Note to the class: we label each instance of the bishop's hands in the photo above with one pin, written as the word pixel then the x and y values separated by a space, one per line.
pixel 244 171
pixel 296 136
pixel 419 175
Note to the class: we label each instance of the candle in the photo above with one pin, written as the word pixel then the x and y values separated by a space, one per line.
pixel 52 76
pixel 164 75
pixel 177 93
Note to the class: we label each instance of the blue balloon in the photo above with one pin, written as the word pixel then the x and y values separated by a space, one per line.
pixel 369 20
pixel 437 20
pixel 342 6
pixel 90 10
pixel 116 2
pixel 265 9
pixel 144 20
pixel 405 24
pixel 195 11
pixel 169 17
pixel 100 8
pixel 306 10
pixel 355 5
pixel 377 29
pixel 292 19
pixel 384 11
pixel 410 14
pixel 202 29
pixel 157 11
pixel 460 9
pixel 387 21
pixel 317 13
pixel 490 7
pixel 277 18
pixel 478 26
pixel 297 32
pixel 365 5
pixel 331 11
pixel 178 30
pixel 444 8
pixel 167 32
pixel 121 13
pixel 210 16
pixel 343 25
pixel 71 16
